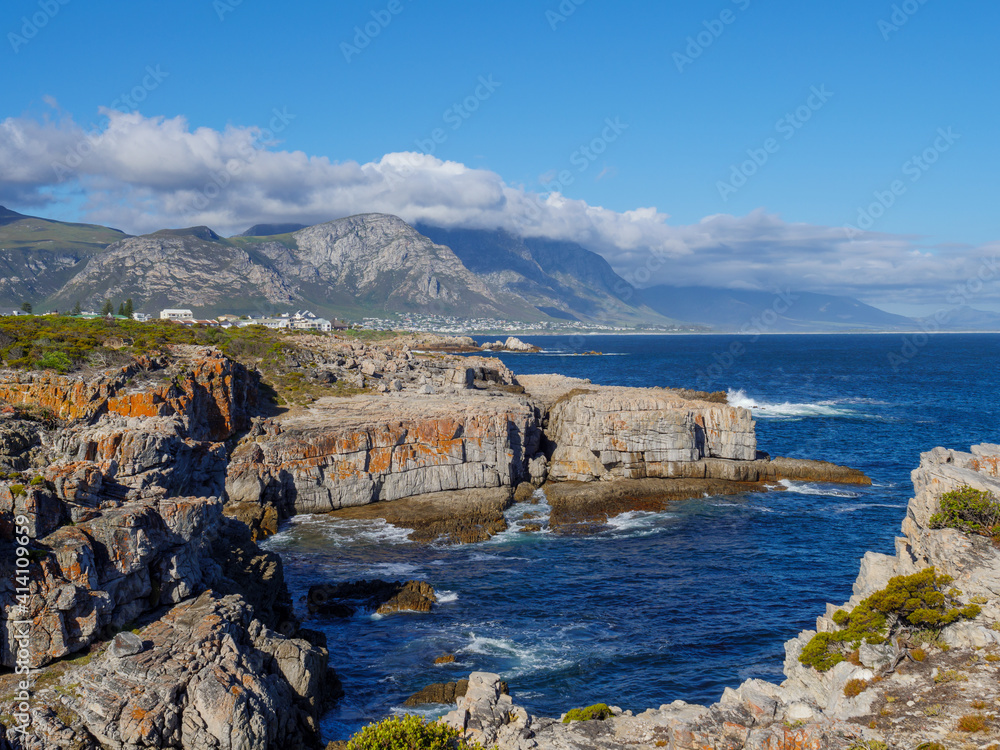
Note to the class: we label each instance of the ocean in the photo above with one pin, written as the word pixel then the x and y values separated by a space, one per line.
pixel 656 607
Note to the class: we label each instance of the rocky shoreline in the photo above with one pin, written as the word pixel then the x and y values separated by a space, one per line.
pixel 945 694
pixel 152 615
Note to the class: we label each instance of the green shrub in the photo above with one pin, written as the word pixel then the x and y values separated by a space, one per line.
pixel 57 361
pixel 907 602
pixel 597 712
pixel 17 490
pixel 822 652
pixel 968 510
pixel 409 733
pixel 36 481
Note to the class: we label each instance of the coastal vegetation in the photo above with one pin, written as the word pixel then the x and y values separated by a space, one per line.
pixel 919 602
pixel 970 511
pixel 409 733
pixel 66 344
pixel 597 712
pixel 855 687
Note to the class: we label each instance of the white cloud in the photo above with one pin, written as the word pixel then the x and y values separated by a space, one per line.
pixel 141 174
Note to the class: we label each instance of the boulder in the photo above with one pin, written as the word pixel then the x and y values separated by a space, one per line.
pixel 438 692
pixel 382 597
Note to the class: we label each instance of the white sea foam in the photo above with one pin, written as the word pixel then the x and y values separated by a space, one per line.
pixel 391 570
pixel 636 523
pixel 537 657
pixel 338 532
pixel 428 714
pixel 806 488
pixel 446 596
pixel 789 410
pixel 862 506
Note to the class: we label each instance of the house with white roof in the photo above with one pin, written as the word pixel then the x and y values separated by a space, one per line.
pixel 178 314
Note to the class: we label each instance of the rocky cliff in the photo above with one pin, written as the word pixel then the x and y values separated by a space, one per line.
pixel 934 698
pixel 441 423
pixel 120 490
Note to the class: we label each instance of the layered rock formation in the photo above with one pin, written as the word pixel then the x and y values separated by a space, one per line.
pixel 348 452
pixel 465 424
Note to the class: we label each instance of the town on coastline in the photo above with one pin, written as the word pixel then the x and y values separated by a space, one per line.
pixel 412 322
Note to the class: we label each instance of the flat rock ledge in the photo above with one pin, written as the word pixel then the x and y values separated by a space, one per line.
pixel 458 516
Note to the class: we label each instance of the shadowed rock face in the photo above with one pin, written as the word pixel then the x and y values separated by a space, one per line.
pixel 439 692
pixel 381 597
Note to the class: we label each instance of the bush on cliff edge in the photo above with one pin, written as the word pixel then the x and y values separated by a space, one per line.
pixel 970 511
pixel 409 733
pixel 907 602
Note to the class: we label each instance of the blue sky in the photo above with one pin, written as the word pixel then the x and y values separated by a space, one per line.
pixel 786 115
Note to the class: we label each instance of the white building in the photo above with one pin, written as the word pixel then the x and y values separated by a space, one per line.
pixel 142 317
pixel 312 324
pixel 274 322
pixel 176 315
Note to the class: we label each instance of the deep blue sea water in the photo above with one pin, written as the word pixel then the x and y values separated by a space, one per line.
pixel 672 605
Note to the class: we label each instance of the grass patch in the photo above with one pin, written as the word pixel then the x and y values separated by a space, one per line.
pixel 950 675
pixel 973 723
pixel 597 712
pixel 855 687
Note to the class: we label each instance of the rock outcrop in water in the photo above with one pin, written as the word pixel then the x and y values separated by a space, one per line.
pixel 935 698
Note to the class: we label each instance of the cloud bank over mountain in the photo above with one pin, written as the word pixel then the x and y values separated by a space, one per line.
pixel 143 173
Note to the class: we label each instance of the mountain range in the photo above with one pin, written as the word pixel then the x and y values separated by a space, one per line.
pixel 377 265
